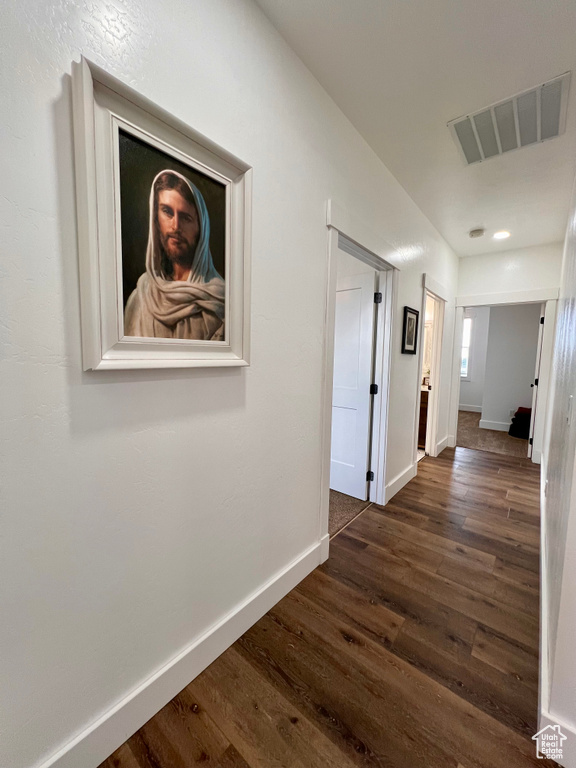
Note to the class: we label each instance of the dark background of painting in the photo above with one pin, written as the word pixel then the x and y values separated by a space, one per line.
pixel 139 164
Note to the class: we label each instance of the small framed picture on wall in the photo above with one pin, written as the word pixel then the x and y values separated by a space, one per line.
pixel 410 331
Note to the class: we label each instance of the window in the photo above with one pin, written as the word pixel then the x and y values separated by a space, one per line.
pixel 466 340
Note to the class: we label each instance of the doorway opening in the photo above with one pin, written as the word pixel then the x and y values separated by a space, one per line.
pixel 361 303
pixel 501 402
pixel 427 415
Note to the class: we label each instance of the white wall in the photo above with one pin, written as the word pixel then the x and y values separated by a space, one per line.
pixel 142 508
pixel 472 391
pixel 510 363
pixel 523 269
pixel 405 385
pixel 558 702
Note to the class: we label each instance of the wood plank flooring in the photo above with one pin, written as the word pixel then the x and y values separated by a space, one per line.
pixel 414 646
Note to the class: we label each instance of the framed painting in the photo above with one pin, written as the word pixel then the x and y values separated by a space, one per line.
pixel 164 234
pixel 410 331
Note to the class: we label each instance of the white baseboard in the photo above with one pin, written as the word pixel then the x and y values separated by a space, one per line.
pixel 470 408
pixel 451 441
pixel 324 548
pixel 500 426
pixel 441 445
pixel 397 483
pixel 103 737
pixel 536 456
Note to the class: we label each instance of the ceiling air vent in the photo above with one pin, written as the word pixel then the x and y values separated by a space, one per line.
pixel 535 115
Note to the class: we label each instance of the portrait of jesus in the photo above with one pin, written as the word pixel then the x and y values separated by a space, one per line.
pixel 172 288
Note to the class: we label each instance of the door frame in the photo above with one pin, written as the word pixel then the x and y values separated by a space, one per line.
pixel 387 279
pixel 535 387
pixel 437 339
pixel 547 296
pixel 439 293
pixel 431 448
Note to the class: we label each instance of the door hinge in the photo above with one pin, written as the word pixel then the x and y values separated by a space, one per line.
pixel 541 321
pixel 373 389
pixel 531 441
pixel 378 298
pixel 369 475
pixel 536 382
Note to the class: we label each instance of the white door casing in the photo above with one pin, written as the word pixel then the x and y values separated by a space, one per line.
pixel 351 400
pixel 438 293
pixel 535 382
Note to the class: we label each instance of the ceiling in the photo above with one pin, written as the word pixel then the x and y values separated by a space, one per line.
pixel 402 69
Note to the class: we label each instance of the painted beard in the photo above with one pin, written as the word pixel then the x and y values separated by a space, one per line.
pixel 177 249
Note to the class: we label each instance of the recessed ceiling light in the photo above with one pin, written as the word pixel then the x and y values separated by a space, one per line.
pixel 478 232
pixel 502 235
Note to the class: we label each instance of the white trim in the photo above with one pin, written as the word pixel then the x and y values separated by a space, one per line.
pixel 436 375
pixel 99 740
pixel 532 449
pixel 455 382
pixel 360 232
pixel 432 286
pixel 441 444
pixel 387 281
pixel 544 378
pixel 544 655
pixel 500 426
pixel 398 482
pixel 470 408
pixel 324 548
pixel 469 314
pixel 360 253
pixel 418 380
pixel 510 297
pixel 327 380
pixel 435 369
pixel 451 441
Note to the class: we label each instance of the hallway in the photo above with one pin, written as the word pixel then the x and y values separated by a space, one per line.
pixel 415 644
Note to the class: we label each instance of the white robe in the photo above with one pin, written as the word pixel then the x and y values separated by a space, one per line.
pixel 148 304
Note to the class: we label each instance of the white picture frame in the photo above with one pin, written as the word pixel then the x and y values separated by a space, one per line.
pixel 104 111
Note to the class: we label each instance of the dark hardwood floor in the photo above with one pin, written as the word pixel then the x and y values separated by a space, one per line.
pixel 414 646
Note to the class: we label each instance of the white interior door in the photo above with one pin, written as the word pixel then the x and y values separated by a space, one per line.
pixel 351 400
pixel 434 387
pixel 534 384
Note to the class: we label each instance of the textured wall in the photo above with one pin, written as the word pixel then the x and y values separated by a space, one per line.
pixel 522 269
pixel 139 508
pixel 559 470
